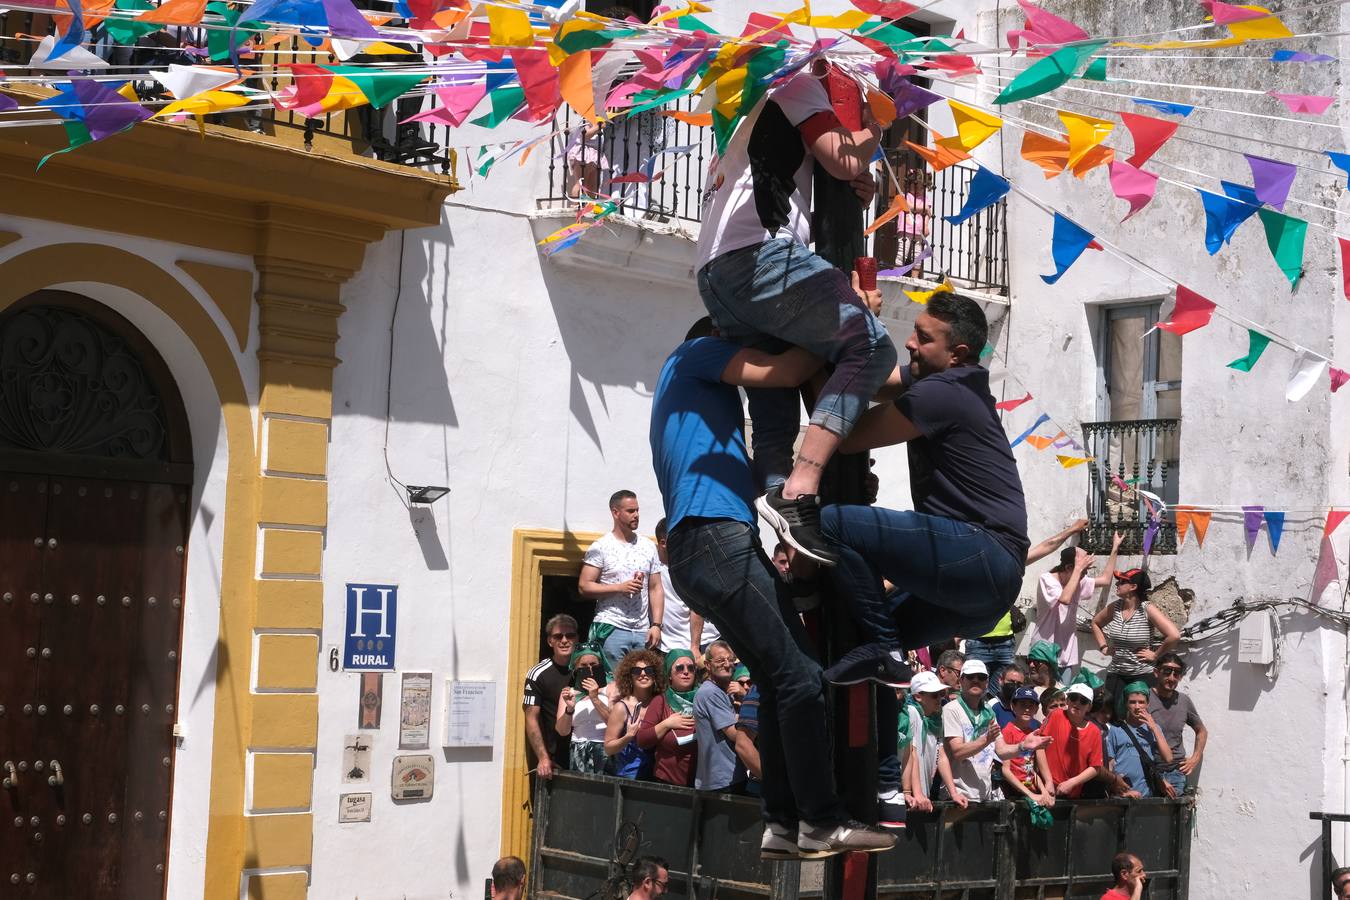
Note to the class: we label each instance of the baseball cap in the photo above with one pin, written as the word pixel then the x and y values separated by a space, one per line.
pixel 926 683
pixel 1025 693
pixel 974 667
pixel 1137 577
pixel 1081 690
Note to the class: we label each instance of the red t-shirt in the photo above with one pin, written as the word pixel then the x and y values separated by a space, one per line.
pixel 674 762
pixel 1073 749
pixel 1012 735
pixel 1114 894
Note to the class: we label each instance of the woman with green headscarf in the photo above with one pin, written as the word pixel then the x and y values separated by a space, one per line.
pixel 583 709
pixel 668 725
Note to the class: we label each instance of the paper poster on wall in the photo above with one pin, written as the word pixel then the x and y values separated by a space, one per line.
pixel 372 625
pixel 413 778
pixel 414 721
pixel 470 713
pixel 355 759
pixel 371 700
pixel 354 807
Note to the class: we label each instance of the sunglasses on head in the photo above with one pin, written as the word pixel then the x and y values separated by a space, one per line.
pixel 644 670
pixel 564 636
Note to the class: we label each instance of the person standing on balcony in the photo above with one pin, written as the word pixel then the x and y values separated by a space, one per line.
pixel 1174 711
pixel 1059 595
pixel 1124 632
pixel 667 727
pixel 1075 752
pixel 1136 747
pixel 621 572
pixel 957 559
pixel 720 569
pixel 971 736
pixel 766 289
pixel 544 683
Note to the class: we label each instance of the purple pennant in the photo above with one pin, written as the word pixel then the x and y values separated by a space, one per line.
pixel 107 112
pixel 344 21
pixel 1300 56
pixel 7 103
pixel 905 269
pixel 1271 179
pixel 1149 533
pixel 909 97
pixel 1251 522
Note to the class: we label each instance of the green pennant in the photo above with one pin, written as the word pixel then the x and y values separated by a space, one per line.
pixel 1096 70
pixel 380 88
pixel 76 133
pixel 585 39
pixel 759 67
pixel 505 101
pixel 1284 236
pixel 486 160
pixel 218 44
pixel 646 100
pixel 128 31
pixel 1049 73
pixel 1256 345
pixel 690 23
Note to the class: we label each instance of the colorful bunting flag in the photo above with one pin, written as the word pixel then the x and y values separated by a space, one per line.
pixel 456 104
pixel 1010 405
pixel 1284 236
pixel 896 207
pixel 1256 345
pixel 1049 73
pixel 1334 519
pixel 986 189
pixel 1190 313
pixel 1172 109
pixel 1338 378
pixel 1096 70
pixel 1283 56
pixel 1345 265
pixel 1271 179
pixel 1223 215
pixel 925 296
pixel 1252 517
pixel 1274 528
pixel 1188 517
pixel 1149 134
pixel 973 127
pixel 1051 154
pixel 1044 28
pixel 1262 28
pixel 1067 244
pixel 1303 375
pixel 1069 462
pixel 1303 103
pixel 1342 161
pixel 1227 13
pixel 1085 133
pixel 910 98
pixel 1132 185
pixel 941 155
pixel 1026 434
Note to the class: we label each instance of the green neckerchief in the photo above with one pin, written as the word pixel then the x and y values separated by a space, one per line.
pixel 978 721
pixel 932 724
pixel 678 701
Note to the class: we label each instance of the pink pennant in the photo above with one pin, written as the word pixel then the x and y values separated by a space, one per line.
pixel 456 104
pixel 539 79
pixel 1326 573
pixel 1334 518
pixel 1044 28
pixel 1226 13
pixel 1132 184
pixel 1190 313
pixel 1345 265
pixel 1009 405
pixel 1303 103
pixel 1149 134
pixel 1338 378
pixel 636 178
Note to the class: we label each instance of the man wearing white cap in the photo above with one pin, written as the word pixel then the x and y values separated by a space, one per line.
pixel 970 733
pixel 921 732
pixel 1075 754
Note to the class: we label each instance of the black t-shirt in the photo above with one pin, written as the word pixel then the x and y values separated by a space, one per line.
pixel 962 468
pixel 543 685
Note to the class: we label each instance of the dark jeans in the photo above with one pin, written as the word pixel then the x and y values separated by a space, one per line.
pixel 995 653
pixel 951 577
pixel 720 570
pixel 888 739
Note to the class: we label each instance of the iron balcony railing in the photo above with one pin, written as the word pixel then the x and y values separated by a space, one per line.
pixel 1127 459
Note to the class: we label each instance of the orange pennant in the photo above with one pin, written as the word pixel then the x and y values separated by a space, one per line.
pixel 574 83
pixel 898 206
pixel 1183 514
pixel 1097 156
pixel 939 157
pixel 696 119
pixel 883 108
pixel 1200 519
pixel 176 12
pixel 1051 154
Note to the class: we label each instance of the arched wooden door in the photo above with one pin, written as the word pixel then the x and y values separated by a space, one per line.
pixel 95 477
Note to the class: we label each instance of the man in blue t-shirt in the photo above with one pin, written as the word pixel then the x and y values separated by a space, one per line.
pixel 956 560
pixel 721 571
pixel 1137 743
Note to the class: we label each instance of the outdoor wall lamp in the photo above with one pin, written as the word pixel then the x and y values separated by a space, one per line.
pixel 427 493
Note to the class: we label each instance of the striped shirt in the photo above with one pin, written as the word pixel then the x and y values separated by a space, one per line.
pixel 1127 637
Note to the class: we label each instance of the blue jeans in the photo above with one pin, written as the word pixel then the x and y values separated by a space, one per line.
pixel 720 570
pixel 889 769
pixel 778 293
pixel 620 643
pixel 1174 778
pixel 951 577
pixel 995 653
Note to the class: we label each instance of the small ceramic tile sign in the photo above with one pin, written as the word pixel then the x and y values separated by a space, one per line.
pixel 355 759
pixel 414 722
pixel 413 777
pixel 372 700
pixel 354 807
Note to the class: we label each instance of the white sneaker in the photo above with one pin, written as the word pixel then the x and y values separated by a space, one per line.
pixel 779 842
pixel 820 841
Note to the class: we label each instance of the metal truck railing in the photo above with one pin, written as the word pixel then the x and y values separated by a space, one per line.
pixel 589 829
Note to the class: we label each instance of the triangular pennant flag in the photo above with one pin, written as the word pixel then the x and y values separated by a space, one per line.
pixel 1132 185
pixel 973 127
pixel 1051 154
pixel 1223 215
pixel 187 81
pixel 898 206
pixel 1274 528
pixel 1251 523
pixel 925 296
pixel 1044 28
pixel 1338 378
pixel 175 12
pixel 1256 345
pixel 1039 442
pixel 539 78
pixel 1149 134
pixel 1334 518
pixel 1096 70
pixel 1010 405
pixel 1183 514
pixel 1345 265
pixel 1284 236
pixel 1026 434
pixel 1342 161
pixel 939 156
pixel 986 189
pixel 1068 243
pixel 1227 13
pixel 1271 179
pixel 1304 103
pixel 1172 109
pixel 1191 311
pixel 1049 73
pixel 1069 462
pixel 1306 370
pixel 1263 28
pixel 1085 133
pixel 1200 521
pixel 456 104
pixel 1326 574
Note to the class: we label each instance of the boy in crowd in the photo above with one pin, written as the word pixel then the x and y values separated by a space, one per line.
pixel 1075 753
pixel 972 735
pixel 1020 779
pixel 1173 711
pixel 1137 745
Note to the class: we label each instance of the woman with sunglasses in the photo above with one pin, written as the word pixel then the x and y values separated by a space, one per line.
pixel 1124 631
pixel 638 681
pixel 583 710
pixel 667 728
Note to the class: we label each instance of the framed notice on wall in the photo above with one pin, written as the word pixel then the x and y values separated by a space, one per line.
pixel 470 713
pixel 414 720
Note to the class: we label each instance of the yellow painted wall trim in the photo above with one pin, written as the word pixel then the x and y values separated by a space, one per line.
pixel 285 722
pixel 271 842
pixel 291 553
pixel 282 781
pixel 230 289
pixel 296 447
pixel 534 554
pixel 293 501
pixel 288 662
pixel 53 264
pixel 289 604
pixel 281 886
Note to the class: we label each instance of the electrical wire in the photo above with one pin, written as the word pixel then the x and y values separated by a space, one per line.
pixel 389 374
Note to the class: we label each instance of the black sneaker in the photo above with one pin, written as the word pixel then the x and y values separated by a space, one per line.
pixel 820 841
pixel 891 812
pixel 870 662
pixel 797 523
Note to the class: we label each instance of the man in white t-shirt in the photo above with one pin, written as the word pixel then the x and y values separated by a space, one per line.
pixel 765 288
pixel 621 573
pixel 970 733
pixel 681 627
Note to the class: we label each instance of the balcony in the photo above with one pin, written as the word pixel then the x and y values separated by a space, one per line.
pixel 1130 457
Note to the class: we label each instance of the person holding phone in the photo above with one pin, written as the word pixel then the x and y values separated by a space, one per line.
pixel 667 727
pixel 583 710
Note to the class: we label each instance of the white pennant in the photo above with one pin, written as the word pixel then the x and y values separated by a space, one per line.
pixel 189 81
pixel 1308 367
pixel 73 58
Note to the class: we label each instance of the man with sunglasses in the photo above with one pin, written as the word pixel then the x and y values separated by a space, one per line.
pixel 725 753
pixel 970 733
pixel 544 684
pixel 1173 711
pixel 1075 752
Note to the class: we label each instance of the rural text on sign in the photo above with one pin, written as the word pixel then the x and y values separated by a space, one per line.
pixel 372 619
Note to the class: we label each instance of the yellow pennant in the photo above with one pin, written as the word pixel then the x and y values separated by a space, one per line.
pixel 925 296
pixel 844 21
pixel 1259 29
pixel 509 27
pixel 973 127
pixel 203 104
pixel 1085 132
pixel 693 7
pixel 1069 462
